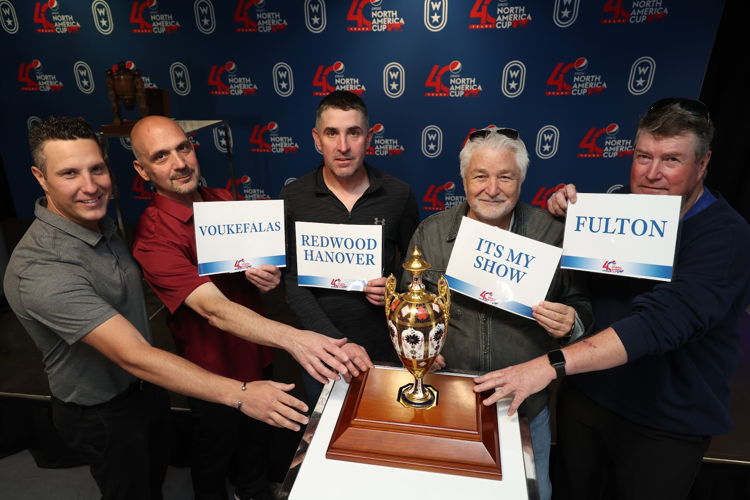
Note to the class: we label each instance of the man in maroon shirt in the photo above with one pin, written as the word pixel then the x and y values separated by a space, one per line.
pixel 213 319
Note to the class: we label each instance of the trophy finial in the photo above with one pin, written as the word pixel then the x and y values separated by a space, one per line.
pixel 416 264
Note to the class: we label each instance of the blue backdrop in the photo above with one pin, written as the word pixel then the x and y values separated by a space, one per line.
pixel 571 76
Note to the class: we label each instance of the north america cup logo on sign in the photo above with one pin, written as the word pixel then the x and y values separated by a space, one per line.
pixel 497 14
pixel 641 75
pixel 225 81
pixel 442 197
pixel 382 145
pixel 262 21
pixel 641 11
pixel 604 143
pixel 145 14
pixel 457 85
pixel 379 20
pixel 52 20
pixel 575 82
pixel 276 143
pixel 40 82
pixel 340 80
pixel 394 80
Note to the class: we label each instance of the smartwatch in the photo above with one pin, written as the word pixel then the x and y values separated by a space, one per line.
pixel 557 360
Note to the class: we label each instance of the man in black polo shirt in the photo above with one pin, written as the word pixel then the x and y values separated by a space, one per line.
pixel 346 191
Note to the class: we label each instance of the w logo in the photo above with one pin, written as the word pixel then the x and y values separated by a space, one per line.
pixel 514 79
pixel 432 141
pixel 547 141
pixel 82 72
pixel 180 77
pixel 435 14
pixel 205 20
pixel 283 79
pixel 315 15
pixel 641 75
pixel 394 80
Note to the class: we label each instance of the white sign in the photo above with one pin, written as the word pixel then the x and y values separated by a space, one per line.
pixel 622 234
pixel 338 256
pixel 501 268
pixel 233 236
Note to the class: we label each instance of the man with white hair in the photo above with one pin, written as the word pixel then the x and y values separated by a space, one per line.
pixel 482 337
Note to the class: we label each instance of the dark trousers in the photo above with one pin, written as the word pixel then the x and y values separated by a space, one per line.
pixel 227 443
pixel 125 441
pixel 606 456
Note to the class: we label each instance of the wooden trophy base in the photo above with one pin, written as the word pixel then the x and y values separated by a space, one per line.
pixel 458 436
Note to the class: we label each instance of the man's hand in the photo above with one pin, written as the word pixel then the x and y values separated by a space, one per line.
pixel 375 291
pixel 557 204
pixel 268 401
pixel 556 318
pixel 359 361
pixel 520 380
pixel 325 357
pixel 266 277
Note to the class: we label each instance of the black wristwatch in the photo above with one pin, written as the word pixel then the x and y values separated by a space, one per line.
pixel 557 360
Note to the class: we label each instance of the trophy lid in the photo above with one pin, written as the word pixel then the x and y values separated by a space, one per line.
pixel 416 264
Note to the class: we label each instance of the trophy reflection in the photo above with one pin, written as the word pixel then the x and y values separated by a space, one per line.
pixel 418 324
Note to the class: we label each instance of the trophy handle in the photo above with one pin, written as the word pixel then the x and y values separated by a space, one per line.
pixel 444 296
pixel 390 293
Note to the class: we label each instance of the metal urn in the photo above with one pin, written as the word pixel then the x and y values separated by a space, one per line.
pixel 418 324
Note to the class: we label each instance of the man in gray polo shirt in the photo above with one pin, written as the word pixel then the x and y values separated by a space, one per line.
pixel 78 292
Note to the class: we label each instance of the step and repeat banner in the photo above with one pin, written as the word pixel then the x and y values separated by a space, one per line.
pixel 572 76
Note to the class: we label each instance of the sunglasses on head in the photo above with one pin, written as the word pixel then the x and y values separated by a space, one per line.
pixel 482 133
pixel 692 106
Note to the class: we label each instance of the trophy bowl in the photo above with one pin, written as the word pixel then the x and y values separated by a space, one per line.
pixel 418 324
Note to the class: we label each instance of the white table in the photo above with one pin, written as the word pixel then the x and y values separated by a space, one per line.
pixel 312 476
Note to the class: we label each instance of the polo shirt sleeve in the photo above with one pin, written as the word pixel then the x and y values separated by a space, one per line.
pixel 169 269
pixel 61 297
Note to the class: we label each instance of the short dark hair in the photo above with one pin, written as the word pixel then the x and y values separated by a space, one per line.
pixel 64 128
pixel 341 99
pixel 676 116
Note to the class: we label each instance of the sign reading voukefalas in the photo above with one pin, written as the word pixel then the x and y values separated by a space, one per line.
pixel 338 256
pixel 622 234
pixel 236 235
pixel 501 268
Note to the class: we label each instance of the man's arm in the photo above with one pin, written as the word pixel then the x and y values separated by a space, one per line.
pixel 267 401
pixel 598 352
pixel 311 350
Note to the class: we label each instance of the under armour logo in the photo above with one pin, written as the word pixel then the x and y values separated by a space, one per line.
pixel 380 222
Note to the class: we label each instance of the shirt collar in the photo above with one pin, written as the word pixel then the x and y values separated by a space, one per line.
pixel 176 209
pixel 75 230
pixel 375 181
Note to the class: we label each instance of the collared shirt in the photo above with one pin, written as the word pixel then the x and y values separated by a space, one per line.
pixel 63 281
pixel 165 248
pixel 389 202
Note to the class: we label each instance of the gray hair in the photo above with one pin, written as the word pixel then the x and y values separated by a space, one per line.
pixel 495 141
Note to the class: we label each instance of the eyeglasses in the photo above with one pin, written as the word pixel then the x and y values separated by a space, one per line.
pixel 692 106
pixel 484 132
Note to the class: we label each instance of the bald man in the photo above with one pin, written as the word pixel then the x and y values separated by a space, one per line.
pixel 215 319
